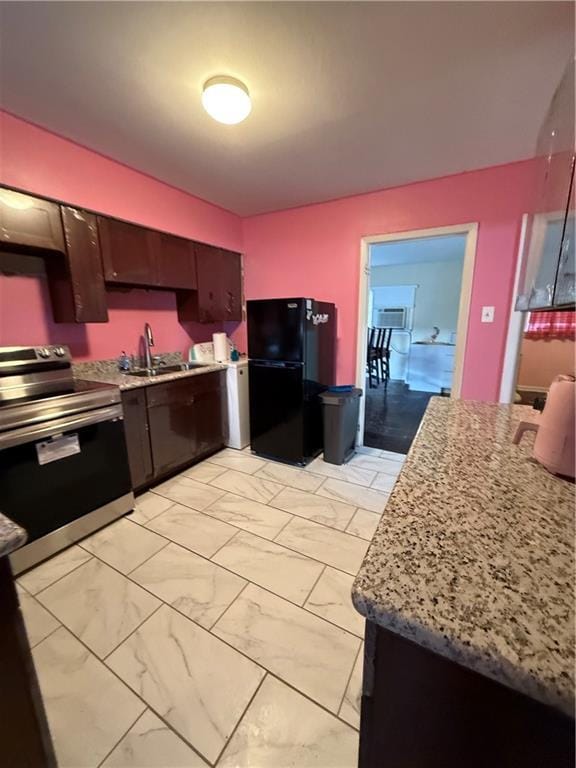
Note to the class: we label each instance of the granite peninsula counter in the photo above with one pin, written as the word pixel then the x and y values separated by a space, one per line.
pixel 473 558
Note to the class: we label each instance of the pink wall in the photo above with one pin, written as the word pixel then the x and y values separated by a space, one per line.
pixel 311 251
pixel 40 162
pixel 541 361
pixel 315 251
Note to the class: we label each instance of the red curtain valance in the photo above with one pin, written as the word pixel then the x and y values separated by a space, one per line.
pixel 551 325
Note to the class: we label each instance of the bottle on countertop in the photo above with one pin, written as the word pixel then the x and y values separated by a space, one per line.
pixel 124 363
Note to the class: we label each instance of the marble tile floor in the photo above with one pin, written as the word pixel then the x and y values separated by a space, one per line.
pixel 213 626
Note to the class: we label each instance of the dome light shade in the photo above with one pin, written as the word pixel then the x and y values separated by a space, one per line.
pixel 226 99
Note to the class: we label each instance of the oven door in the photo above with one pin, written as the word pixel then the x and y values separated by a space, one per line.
pixel 55 473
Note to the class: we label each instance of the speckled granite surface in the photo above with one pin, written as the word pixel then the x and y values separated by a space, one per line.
pixel 474 555
pixel 11 536
pixel 107 371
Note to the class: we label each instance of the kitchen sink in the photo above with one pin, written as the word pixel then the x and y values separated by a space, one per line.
pixel 163 370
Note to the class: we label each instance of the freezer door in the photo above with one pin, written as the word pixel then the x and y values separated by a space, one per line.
pixel 276 411
pixel 276 330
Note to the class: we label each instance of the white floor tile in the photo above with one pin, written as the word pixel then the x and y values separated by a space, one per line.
pixel 247 485
pixel 53 569
pixel 148 506
pixel 384 482
pixel 204 472
pixel 364 524
pixel 332 600
pixel 377 464
pixel 283 729
pixel 151 744
pixel 197 684
pixel 290 476
pixel 249 515
pixel 273 567
pixel 191 493
pixel 332 547
pixel 99 605
pixel 88 708
pixel 350 709
pixel 367 451
pixel 313 507
pixel 193 530
pixel 401 457
pixel 367 498
pixel 348 472
pixel 124 545
pixel 302 649
pixel 232 459
pixel 193 585
pixel 39 623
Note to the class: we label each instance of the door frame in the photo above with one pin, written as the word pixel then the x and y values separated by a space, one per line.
pixel 471 232
pixel 516 322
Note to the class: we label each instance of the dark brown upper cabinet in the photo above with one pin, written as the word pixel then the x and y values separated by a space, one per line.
pixel 127 252
pixel 219 295
pixel 175 261
pixel 231 278
pixel 28 222
pixel 76 278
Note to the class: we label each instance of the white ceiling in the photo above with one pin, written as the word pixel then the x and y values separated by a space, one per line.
pixel 347 97
pixel 418 251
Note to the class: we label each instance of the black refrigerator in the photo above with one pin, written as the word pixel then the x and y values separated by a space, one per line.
pixel 292 352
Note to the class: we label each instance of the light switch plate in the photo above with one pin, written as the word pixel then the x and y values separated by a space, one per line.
pixel 487 314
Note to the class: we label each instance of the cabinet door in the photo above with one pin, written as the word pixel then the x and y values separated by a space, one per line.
pixel 172 420
pixel 219 284
pixel 76 279
pixel 210 412
pixel 137 437
pixel 565 290
pixel 29 222
pixel 210 305
pixel 231 284
pixel 175 261
pixel 546 221
pixel 127 252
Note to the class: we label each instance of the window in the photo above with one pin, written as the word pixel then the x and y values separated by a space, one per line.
pixel 551 325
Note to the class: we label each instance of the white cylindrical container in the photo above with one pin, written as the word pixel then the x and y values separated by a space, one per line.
pixel 221 348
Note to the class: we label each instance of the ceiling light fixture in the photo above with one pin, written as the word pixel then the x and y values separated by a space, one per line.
pixel 226 99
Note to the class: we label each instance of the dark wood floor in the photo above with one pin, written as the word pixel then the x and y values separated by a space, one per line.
pixel 393 415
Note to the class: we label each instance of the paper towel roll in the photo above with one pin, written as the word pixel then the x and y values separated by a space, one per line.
pixel 221 348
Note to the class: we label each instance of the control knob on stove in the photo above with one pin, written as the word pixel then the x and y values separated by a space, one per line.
pixel 60 351
pixel 44 352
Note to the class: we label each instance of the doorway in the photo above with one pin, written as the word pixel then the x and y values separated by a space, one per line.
pixel 413 317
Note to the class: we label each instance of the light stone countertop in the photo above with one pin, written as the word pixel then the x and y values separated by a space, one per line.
pixel 474 555
pixel 11 536
pixel 106 371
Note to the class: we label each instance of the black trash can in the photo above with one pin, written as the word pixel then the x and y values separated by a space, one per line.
pixel 341 406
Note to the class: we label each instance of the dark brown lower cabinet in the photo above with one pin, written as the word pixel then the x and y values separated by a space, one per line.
pixel 171 416
pixel 171 424
pixel 24 736
pixel 421 710
pixel 137 436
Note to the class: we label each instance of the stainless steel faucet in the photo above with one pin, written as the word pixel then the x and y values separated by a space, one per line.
pixel 148 343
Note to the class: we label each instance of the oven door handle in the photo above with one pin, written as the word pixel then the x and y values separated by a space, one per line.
pixel 57 426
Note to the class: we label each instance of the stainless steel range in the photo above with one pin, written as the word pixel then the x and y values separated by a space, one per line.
pixel 63 462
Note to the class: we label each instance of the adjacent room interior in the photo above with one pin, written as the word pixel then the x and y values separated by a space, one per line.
pixel 412 321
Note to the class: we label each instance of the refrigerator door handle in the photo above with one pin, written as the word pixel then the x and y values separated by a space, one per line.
pixel 274 364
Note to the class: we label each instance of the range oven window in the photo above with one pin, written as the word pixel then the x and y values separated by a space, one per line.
pixel 42 497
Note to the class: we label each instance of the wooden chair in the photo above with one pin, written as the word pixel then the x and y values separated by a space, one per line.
pixel 372 359
pixel 383 353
